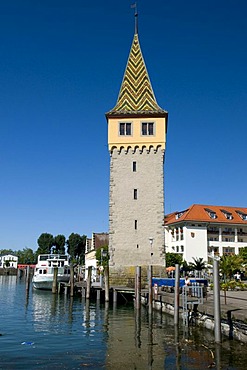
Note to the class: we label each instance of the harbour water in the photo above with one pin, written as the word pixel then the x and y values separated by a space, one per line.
pixel 40 330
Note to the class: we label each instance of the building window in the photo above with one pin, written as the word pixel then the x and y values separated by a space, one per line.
pixel 134 166
pixel 228 215
pixel 180 214
pixel 135 193
pixel 242 215
pixel 228 250
pixel 135 224
pixel 212 214
pixel 147 128
pixel 125 128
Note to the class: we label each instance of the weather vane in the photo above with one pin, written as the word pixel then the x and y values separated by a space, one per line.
pixel 134 6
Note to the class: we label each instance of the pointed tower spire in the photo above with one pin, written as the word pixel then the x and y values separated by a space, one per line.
pixel 136 95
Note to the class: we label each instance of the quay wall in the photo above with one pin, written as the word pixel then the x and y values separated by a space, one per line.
pixel 232 327
pixel 8 271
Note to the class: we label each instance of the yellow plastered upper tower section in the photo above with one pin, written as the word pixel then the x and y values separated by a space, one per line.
pixel 137 107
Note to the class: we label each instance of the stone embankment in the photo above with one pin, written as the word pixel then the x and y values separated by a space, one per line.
pixel 233 312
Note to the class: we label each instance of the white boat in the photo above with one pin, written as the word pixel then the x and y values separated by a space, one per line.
pixel 44 269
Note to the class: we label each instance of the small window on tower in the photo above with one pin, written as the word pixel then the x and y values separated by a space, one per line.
pixel 125 128
pixel 135 193
pixel 135 224
pixel 134 166
pixel 147 128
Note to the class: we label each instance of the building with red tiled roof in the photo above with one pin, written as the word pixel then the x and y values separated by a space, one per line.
pixel 204 231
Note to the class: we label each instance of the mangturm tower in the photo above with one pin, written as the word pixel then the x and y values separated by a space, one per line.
pixel 136 139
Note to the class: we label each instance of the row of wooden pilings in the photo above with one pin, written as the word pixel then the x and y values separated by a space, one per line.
pixel 152 294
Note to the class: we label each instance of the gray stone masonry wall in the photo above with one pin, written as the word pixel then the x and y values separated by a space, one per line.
pixel 130 246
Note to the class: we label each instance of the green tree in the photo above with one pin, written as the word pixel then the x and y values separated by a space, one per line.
pixel 7 251
pixel 45 243
pixel 173 258
pixel 26 256
pixel 198 265
pixel 186 267
pixel 229 264
pixel 243 254
pixel 59 244
pixel 76 247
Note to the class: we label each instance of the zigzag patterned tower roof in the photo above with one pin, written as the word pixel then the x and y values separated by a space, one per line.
pixel 136 96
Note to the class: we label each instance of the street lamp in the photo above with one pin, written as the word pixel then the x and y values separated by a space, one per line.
pixel 151 240
pixel 103 254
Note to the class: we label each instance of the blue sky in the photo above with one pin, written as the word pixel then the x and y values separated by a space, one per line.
pixel 61 67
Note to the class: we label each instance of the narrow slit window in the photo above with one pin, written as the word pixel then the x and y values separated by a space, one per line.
pixel 135 193
pixel 135 224
pixel 134 166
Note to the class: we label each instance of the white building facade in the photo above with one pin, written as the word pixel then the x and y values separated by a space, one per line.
pixel 98 241
pixel 206 231
pixel 8 261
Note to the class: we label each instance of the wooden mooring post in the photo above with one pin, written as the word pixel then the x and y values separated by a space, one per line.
pixel 27 278
pixel 71 280
pixel 138 288
pixel 54 282
pixel 89 275
pixel 176 295
pixel 217 316
pixel 107 287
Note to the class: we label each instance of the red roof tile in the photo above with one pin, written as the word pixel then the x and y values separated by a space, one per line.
pixel 200 212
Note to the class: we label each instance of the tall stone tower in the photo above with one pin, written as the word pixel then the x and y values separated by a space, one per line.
pixel 136 138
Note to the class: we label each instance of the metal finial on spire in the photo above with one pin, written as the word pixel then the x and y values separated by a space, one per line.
pixel 134 6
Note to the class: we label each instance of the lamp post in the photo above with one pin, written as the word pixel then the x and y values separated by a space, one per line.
pixel 103 254
pixel 151 240
pixel 217 311
pixel 150 277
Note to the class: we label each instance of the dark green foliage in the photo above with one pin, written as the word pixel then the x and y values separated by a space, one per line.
pixel 243 254
pixel 173 259
pixel 26 256
pixel 186 267
pixel 229 264
pixel 45 243
pixel 76 247
pixel 59 244
pixel 198 264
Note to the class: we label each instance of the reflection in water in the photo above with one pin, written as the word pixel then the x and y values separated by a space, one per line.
pixel 138 328
pixel 150 341
pixel 71 332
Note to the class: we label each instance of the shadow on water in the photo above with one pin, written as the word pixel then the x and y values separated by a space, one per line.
pixel 72 333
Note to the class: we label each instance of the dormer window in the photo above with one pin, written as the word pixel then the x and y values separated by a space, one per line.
pixel 228 215
pixel 180 214
pixel 242 215
pixel 212 214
